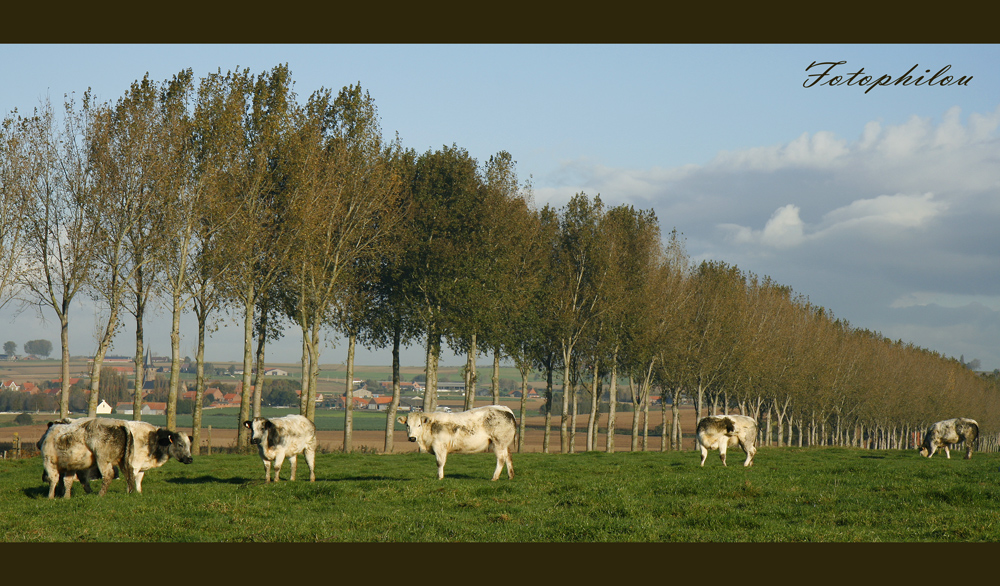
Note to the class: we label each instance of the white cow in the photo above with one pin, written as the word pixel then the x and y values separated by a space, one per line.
pixel 718 432
pixel 284 436
pixel 467 432
pixel 950 431
pixel 151 447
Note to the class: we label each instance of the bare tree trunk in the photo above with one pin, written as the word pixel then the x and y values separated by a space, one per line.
pixel 258 379
pixel 613 403
pixel 573 414
pixel 394 405
pixel 430 370
pixel 140 372
pixel 470 376
pixel 349 396
pixel 594 411
pixel 699 400
pixel 523 412
pixel 567 389
pixel 175 363
pixel 102 350
pixel 635 414
pixel 306 371
pixel 548 410
pixel 667 431
pixel 645 421
pixel 199 390
pixel 496 375
pixel 64 341
pixel 675 422
pixel 242 441
pixel 313 373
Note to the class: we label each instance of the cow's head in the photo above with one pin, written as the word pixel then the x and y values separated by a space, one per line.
pixel 414 423
pixel 177 445
pixel 924 451
pixel 261 429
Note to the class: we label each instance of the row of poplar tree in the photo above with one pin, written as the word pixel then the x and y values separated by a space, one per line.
pixel 230 194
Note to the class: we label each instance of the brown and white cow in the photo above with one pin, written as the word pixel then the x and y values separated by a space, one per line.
pixel 950 431
pixel 467 432
pixel 718 432
pixel 288 436
pixel 151 447
pixel 84 476
pixel 74 447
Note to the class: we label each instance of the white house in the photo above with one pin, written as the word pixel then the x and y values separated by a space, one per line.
pixel 275 372
pixel 103 408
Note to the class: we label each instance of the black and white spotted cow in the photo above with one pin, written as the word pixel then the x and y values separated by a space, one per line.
pixel 467 432
pixel 950 431
pixel 81 448
pixel 151 447
pixel 283 437
pixel 718 432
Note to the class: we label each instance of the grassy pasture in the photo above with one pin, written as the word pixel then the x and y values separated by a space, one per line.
pixel 790 495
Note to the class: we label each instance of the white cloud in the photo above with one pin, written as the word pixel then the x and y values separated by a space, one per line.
pixel 821 150
pixel 925 298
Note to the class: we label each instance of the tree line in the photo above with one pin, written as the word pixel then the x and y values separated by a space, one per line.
pixel 229 194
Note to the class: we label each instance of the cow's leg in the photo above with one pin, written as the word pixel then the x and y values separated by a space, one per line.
pixel 52 475
pixel 279 459
pixel 722 451
pixel 704 453
pixel 947 454
pixel 968 451
pixel 67 484
pixel 267 470
pixel 510 463
pixel 501 459
pixel 750 450
pixel 108 473
pixel 311 461
pixel 441 455
pixel 137 475
pixel 84 477
pixel 293 460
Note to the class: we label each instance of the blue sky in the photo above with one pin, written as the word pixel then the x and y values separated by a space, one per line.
pixel 881 206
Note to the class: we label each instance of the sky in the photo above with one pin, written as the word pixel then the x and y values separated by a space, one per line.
pixel 878 202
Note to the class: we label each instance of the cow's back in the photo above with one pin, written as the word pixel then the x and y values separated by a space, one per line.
pixel 295 433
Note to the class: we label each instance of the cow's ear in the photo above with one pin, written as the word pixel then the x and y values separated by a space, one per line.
pixel 163 437
pixel 401 419
pixel 191 439
pixel 247 424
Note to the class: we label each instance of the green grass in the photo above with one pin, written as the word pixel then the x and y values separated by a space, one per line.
pixel 791 494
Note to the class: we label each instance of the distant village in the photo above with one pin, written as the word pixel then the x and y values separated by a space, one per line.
pixel 367 395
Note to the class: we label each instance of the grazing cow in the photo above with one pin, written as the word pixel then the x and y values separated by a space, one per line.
pixel 84 476
pixel 73 447
pixel 718 432
pixel 284 436
pixel 467 432
pixel 151 447
pixel 950 431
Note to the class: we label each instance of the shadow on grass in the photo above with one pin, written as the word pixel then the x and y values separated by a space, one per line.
pixel 209 480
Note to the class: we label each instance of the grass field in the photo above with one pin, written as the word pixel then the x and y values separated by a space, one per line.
pixel 791 494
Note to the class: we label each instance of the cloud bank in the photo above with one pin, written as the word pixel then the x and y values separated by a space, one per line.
pixel 894 230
